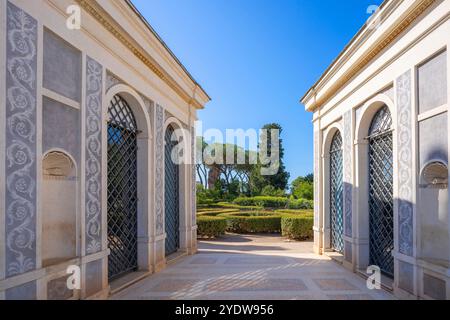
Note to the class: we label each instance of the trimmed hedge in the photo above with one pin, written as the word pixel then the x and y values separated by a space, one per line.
pixel 227 205
pixel 266 202
pixel 297 227
pixel 275 203
pixel 215 212
pixel 295 212
pixel 204 202
pixel 301 204
pixel 211 227
pixel 253 222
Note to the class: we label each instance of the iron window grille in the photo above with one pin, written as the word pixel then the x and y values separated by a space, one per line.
pixel 336 194
pixel 381 202
pixel 122 189
pixel 172 192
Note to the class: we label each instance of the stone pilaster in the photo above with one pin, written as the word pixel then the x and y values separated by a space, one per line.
pixel 348 186
pixel 318 210
pixel 19 236
pixel 404 252
pixel 159 245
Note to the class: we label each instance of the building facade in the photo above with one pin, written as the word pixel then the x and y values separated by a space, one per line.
pixel 90 123
pixel 381 150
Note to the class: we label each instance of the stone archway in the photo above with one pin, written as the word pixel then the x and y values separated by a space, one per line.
pixel 366 118
pixel 381 192
pixel 142 129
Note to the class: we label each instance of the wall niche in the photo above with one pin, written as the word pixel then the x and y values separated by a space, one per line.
pixel 59 209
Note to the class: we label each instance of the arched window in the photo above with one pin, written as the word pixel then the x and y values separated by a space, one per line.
pixel 381 203
pixel 336 194
pixel 122 189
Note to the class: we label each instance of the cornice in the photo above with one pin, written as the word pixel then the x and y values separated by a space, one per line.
pixel 369 56
pixel 102 17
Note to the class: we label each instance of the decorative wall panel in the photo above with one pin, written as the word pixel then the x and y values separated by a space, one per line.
pixel 112 80
pixel 405 166
pixel 94 275
pixel 21 66
pixel 432 83
pixel 94 81
pixel 406 276
pixel 27 291
pixel 57 289
pixel 62 67
pixel 61 128
pixel 159 168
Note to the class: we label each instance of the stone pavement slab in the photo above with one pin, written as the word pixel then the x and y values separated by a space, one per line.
pixel 240 267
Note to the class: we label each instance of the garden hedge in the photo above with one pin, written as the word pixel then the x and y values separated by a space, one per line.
pixel 227 205
pixel 253 222
pixel 297 227
pixel 215 212
pixel 301 204
pixel 263 201
pixel 274 203
pixel 295 212
pixel 211 227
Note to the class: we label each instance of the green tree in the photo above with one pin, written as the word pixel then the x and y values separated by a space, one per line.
pixel 303 187
pixel 272 192
pixel 278 181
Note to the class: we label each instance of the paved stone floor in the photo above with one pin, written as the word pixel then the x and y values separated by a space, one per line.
pixel 253 268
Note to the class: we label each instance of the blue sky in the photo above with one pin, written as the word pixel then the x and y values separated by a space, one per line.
pixel 256 58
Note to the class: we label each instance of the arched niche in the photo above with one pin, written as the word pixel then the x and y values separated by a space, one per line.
pixel 59 208
pixel 434 244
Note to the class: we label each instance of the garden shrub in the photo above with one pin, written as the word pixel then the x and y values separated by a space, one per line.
pixel 263 201
pixel 297 227
pixel 211 227
pixel 253 222
pixel 301 204
pixel 272 191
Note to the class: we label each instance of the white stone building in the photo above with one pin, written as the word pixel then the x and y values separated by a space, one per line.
pixel 381 150
pixel 86 124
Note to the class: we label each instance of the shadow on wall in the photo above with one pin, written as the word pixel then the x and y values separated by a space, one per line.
pixel 432 207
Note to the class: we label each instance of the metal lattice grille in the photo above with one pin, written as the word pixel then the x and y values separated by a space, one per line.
pixel 381 203
pixel 122 189
pixel 336 193
pixel 172 214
